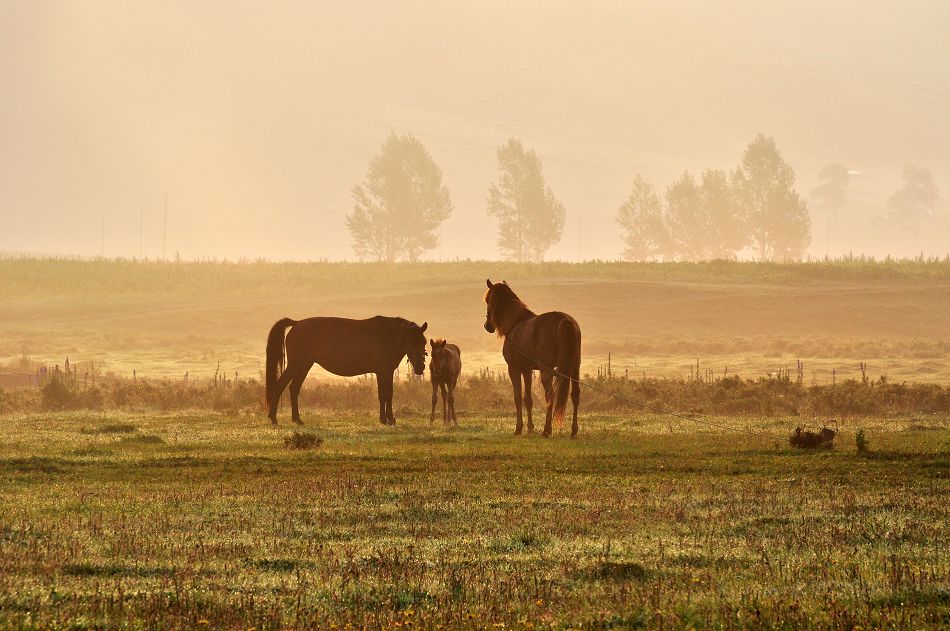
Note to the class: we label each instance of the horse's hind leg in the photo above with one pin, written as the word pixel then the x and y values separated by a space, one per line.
pixel 515 375
pixel 528 398
pixel 547 380
pixel 575 400
pixel 296 383
pixel 282 382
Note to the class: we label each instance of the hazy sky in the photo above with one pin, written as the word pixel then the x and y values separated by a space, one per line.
pixel 258 118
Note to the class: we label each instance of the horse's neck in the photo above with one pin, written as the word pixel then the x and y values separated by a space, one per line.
pixel 516 316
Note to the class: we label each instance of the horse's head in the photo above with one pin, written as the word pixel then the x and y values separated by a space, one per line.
pixel 416 347
pixel 496 298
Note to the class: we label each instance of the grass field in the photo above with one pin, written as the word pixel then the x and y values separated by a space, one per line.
pixel 199 520
pixel 164 502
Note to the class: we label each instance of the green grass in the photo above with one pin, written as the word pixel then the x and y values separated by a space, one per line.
pixel 212 521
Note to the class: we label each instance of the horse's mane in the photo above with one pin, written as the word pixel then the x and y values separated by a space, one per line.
pixel 506 308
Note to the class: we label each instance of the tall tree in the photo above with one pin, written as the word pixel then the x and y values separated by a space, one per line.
pixel 777 216
pixel 727 231
pixel 641 219
pixel 530 218
pixel 916 198
pixel 686 219
pixel 398 209
pixel 831 195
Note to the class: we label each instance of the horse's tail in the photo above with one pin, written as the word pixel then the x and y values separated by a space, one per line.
pixel 568 365
pixel 274 363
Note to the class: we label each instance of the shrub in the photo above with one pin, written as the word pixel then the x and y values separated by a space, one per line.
pixel 861 442
pixel 302 440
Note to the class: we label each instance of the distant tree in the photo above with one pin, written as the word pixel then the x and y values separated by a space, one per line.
pixel 530 218
pixel 727 231
pixel 917 197
pixel 641 219
pixel 777 217
pixel 831 195
pixel 686 219
pixel 399 207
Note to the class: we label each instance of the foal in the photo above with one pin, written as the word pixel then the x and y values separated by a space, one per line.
pixel 444 368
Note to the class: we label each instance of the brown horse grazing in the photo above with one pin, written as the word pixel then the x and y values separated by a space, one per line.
pixel 343 347
pixel 550 342
pixel 444 369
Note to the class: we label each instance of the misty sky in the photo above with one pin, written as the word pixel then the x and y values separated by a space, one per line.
pixel 257 119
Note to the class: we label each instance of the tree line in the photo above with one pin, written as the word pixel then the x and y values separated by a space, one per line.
pixel 402 202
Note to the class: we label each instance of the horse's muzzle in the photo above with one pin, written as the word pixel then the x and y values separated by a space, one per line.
pixel 489 327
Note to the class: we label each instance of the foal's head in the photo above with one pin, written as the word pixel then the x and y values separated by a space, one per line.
pixel 437 363
pixel 416 346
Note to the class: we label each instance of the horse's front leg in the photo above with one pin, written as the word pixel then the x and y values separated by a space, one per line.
pixel 515 375
pixel 435 399
pixel 384 383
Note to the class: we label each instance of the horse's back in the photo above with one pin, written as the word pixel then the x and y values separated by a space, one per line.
pixel 343 346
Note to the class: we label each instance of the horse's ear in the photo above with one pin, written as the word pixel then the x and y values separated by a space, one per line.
pixel 504 282
pixel 431 342
pixel 424 326
pixel 488 280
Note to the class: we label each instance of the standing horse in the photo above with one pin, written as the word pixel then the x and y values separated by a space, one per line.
pixel 444 369
pixel 343 347
pixel 550 342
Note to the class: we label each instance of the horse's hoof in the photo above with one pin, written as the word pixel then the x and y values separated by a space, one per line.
pixel 518 432
pixel 273 421
pixel 297 421
pixel 545 434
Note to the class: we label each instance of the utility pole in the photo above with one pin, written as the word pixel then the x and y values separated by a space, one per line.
pixel 165 227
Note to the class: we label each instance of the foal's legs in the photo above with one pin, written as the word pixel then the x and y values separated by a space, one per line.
pixel 455 419
pixel 445 404
pixel 528 398
pixel 296 383
pixel 547 378
pixel 515 375
pixel 435 399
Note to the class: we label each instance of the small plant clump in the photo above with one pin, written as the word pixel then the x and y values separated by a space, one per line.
pixel 861 442
pixel 302 440
pixel 807 439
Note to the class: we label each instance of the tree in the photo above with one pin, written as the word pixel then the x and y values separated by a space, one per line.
pixel 727 231
pixel 831 195
pixel 641 219
pixel 686 219
pixel 401 204
pixel 916 198
pixel 777 216
pixel 530 218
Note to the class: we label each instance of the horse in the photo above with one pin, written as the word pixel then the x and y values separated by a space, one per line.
pixel 550 342
pixel 343 347
pixel 444 369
